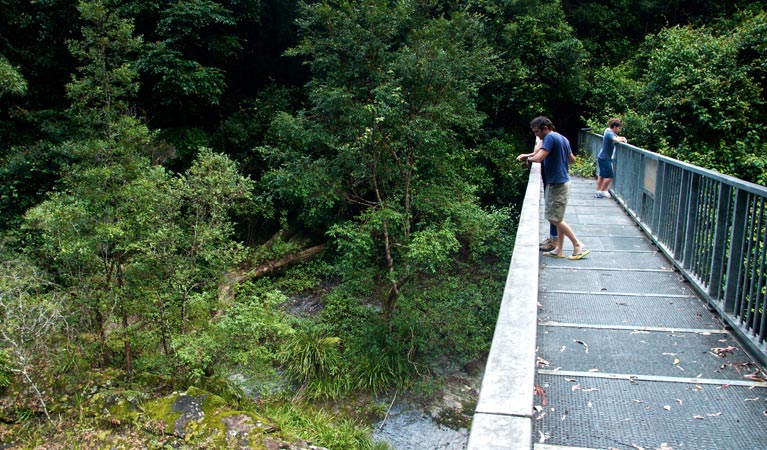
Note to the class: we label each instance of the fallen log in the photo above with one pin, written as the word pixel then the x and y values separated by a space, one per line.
pixel 269 267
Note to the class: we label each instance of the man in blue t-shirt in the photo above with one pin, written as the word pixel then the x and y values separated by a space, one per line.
pixel 553 154
pixel 605 157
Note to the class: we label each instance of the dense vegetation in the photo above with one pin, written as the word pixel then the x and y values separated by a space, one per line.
pixel 317 197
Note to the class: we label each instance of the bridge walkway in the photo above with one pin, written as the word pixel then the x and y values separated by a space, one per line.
pixel 628 357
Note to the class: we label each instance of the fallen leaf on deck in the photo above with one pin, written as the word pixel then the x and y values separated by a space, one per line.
pixel 637 447
pixel 563 348
pixel 572 380
pixel 585 345
pixel 754 377
pixel 589 404
pixel 722 351
pixel 542 438
pixel 698 417
pixel 542 392
pixel 576 387
pixel 637 401
pixel 590 389
pixel 714 414
pixel 676 361
pixel 667 407
pixel 668 354
pixel 640 332
pixel 594 370
pixel 751 399
pixel 679 401
pixel 542 362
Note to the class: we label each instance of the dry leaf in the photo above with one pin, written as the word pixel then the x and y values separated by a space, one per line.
pixel 594 370
pixel 585 345
pixel 589 404
pixel 637 401
pixel 698 417
pixel 543 437
pixel 542 392
pixel 676 361
pixel 590 389
pixel 755 377
pixel 637 447
pixel 563 348
pixel 679 401
pixel 751 399
pixel 576 387
pixel 722 351
pixel 572 380
pixel 667 407
pixel 668 354
pixel 714 414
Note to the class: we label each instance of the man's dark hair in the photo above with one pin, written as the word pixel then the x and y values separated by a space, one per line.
pixel 540 122
pixel 614 123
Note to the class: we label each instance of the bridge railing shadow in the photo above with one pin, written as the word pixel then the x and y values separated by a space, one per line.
pixel 713 228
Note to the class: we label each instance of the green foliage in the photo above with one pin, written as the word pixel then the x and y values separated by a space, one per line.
pixel 383 148
pixel 535 47
pixel 313 359
pixel 585 165
pixel 11 81
pixel 322 428
pixel 691 95
pixel 6 372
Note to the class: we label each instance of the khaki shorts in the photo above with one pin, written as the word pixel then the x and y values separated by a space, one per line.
pixel 556 196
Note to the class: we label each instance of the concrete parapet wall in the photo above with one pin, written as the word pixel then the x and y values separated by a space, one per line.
pixel 503 417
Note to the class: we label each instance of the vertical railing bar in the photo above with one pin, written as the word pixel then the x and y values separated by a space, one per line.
pixel 659 181
pixel 735 256
pixel 710 228
pixel 720 241
pixel 637 193
pixel 660 201
pixel 688 256
pixel 680 235
pixel 757 274
pixel 702 257
pixel 749 272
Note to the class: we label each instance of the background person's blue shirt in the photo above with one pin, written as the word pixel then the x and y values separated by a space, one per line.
pixel 608 145
pixel 555 165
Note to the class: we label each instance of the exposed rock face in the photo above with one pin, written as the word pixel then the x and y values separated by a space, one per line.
pixel 190 408
pixel 240 428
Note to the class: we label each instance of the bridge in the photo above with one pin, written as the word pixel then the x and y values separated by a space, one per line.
pixel 656 340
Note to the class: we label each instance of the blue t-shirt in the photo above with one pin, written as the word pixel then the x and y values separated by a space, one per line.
pixel 555 165
pixel 608 145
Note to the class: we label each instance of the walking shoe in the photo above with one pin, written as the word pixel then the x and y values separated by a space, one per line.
pixel 547 245
pixel 598 194
pixel 606 194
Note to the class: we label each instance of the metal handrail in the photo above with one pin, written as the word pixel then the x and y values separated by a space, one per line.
pixel 713 227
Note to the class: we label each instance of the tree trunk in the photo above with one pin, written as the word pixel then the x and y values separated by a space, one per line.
pixel 266 268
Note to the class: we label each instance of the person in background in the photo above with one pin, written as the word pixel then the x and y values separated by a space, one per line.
pixel 554 154
pixel 606 171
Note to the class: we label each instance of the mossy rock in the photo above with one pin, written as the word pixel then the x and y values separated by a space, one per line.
pixel 199 415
